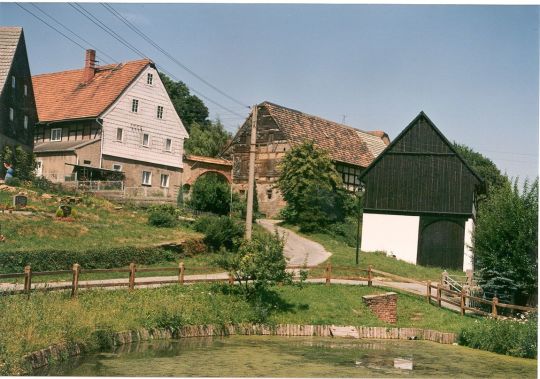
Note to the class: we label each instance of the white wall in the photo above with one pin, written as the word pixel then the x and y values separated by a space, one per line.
pixel 391 233
pixel 467 248
pixel 119 115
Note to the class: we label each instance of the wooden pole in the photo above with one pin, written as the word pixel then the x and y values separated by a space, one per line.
pixel 181 270
pixel 494 306
pixel 328 272
pixel 251 176
pixel 462 303
pixel 428 291
pixel 370 277
pixel 439 294
pixel 132 269
pixel 75 282
pixel 27 279
pixel 231 279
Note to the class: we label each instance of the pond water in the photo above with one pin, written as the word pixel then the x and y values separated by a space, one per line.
pixel 270 356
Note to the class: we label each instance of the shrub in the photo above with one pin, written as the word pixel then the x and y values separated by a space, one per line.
pixel 162 219
pixel 509 337
pixel 193 247
pixel 344 231
pixel 220 231
pixel 211 193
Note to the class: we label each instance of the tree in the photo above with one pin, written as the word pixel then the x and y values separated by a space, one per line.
pixel 189 107
pixel 207 139
pixel 312 188
pixel 24 162
pixel 506 240
pixel 211 193
pixel 483 166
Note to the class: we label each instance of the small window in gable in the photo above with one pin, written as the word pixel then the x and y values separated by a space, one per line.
pixel 25 90
pixel 159 111
pixel 119 134
pixel 56 134
pixel 168 144
pixel 146 139
pixel 135 106
pixel 11 114
pixel 149 78
pixel 12 81
pixel 26 122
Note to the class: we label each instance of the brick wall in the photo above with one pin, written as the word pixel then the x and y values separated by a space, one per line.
pixel 383 305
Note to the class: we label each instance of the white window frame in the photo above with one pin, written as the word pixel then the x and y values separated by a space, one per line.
pixel 26 90
pixel 147 140
pixel 160 111
pixel 150 79
pixel 148 182
pixel 13 81
pixel 58 134
pixel 169 149
pixel 134 106
pixel 121 139
pixel 25 122
pixel 116 167
pixel 11 114
pixel 166 185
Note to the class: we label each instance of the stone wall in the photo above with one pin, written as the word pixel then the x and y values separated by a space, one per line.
pixel 383 305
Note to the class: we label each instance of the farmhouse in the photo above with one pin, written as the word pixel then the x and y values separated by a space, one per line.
pixel 420 199
pixel 113 121
pixel 17 105
pixel 280 128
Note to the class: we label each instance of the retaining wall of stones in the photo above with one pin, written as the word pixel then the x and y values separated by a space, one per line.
pixel 60 352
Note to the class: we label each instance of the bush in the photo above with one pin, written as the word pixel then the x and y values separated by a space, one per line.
pixel 162 219
pixel 509 337
pixel 220 231
pixel 211 193
pixel 344 231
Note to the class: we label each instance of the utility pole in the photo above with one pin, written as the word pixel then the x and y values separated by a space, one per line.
pixel 251 176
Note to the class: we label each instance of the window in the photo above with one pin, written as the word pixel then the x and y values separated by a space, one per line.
pixel 145 139
pixel 12 81
pixel 269 193
pixel 159 111
pixel 164 180
pixel 119 134
pixel 86 162
pixel 117 167
pixel 168 144
pixel 56 134
pixel 147 178
pixel 135 106
pixel 11 114
pixel 26 122
pixel 149 79
pixel 25 90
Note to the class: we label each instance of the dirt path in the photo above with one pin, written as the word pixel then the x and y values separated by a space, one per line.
pixel 298 250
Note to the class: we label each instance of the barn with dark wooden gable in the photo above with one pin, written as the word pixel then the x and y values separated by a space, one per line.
pixel 420 199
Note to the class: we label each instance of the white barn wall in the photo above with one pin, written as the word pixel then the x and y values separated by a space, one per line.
pixel 119 115
pixel 391 233
pixel 468 263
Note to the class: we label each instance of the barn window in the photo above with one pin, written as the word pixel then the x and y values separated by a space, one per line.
pixel 12 81
pixel 11 114
pixel 25 122
pixel 25 90
pixel 117 167
pixel 269 193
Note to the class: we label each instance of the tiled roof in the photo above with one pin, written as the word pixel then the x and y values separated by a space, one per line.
pixel 9 39
pixel 48 147
pixel 343 143
pixel 199 158
pixel 64 96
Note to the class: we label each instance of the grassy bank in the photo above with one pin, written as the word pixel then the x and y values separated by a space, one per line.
pixel 45 319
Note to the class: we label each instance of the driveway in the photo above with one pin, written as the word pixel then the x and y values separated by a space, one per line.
pixel 298 250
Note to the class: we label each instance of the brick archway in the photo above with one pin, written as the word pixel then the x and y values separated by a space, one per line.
pixel 196 166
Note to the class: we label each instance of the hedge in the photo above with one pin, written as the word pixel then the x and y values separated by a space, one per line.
pixel 111 257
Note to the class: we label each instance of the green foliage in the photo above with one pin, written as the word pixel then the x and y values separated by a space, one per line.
pixel 483 166
pixel 239 204
pixel 510 337
pixel 345 232
pixel 211 193
pixel 220 232
pixel 24 163
pixel 506 240
pixel 104 257
pixel 257 265
pixel 162 219
pixel 189 107
pixel 312 188
pixel 207 139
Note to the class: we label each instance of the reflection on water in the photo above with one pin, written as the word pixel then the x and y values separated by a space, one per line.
pixel 238 356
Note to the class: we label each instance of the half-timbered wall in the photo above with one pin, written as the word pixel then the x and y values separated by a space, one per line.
pixel 71 131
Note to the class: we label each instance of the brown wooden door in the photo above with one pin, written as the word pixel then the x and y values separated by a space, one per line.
pixel 441 243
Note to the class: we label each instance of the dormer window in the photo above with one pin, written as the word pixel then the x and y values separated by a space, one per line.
pixel 149 79
pixel 159 111
pixel 135 106
pixel 12 81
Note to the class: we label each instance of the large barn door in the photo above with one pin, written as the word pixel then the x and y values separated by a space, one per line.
pixel 441 243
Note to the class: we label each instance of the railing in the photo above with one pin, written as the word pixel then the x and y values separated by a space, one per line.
pixel 135 192
pixel 96 185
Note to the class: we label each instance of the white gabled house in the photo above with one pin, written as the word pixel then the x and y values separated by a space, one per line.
pixel 101 120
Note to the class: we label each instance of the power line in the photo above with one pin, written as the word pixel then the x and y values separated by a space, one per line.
pixel 75 34
pixel 167 54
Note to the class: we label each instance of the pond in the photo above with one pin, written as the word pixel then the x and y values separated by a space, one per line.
pixel 270 356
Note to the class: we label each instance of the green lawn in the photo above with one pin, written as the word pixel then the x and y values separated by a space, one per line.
pixel 47 318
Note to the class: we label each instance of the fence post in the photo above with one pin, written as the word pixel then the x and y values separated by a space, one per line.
pixel 462 303
pixel 328 272
pixel 494 306
pixel 444 278
pixel 27 279
pixel 369 276
pixel 231 279
pixel 428 291
pixel 470 276
pixel 439 294
pixel 181 270
pixel 132 269
pixel 75 282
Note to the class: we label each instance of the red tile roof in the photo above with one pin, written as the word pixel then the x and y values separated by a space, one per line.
pixel 343 143
pixel 200 158
pixel 64 95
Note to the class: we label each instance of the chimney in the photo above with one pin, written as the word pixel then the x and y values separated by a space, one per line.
pixel 89 65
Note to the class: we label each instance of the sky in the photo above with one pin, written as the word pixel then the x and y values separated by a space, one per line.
pixel 473 70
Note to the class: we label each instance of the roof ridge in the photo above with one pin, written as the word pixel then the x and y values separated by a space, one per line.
pixel 109 66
